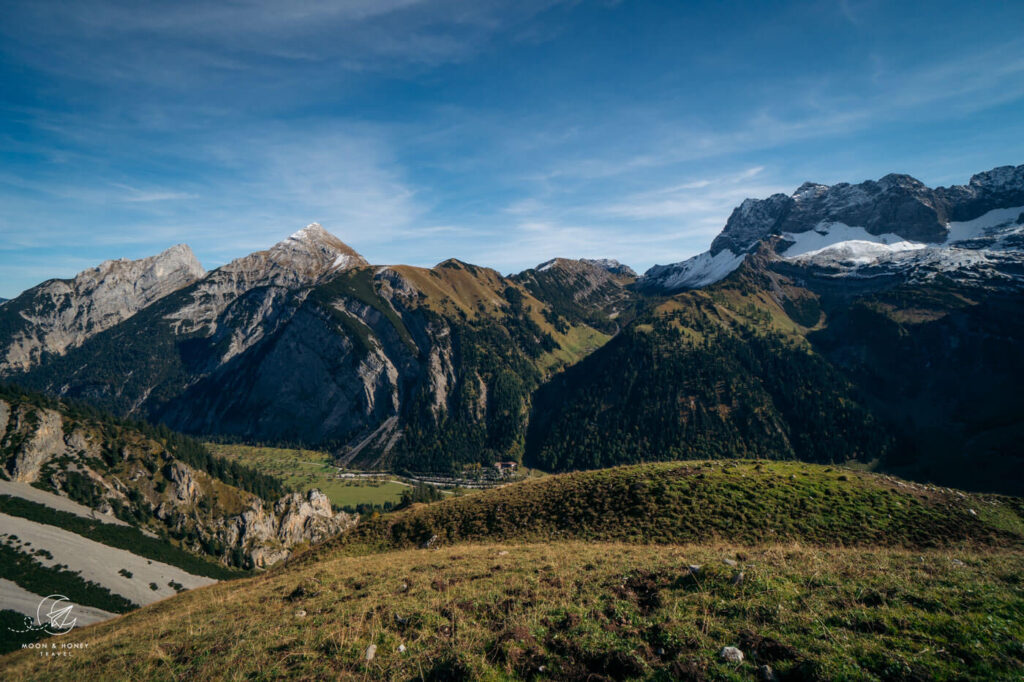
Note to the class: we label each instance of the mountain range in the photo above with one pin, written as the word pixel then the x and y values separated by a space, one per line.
pixel 873 323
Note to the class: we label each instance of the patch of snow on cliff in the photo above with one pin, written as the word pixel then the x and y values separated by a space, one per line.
pixel 701 270
pixel 973 229
pixel 839 241
pixel 341 261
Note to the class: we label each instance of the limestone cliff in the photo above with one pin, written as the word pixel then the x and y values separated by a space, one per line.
pixel 123 473
pixel 63 313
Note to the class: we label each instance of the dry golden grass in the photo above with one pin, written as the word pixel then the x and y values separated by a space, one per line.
pixel 577 611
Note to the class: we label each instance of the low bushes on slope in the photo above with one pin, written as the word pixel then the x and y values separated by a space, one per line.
pixel 128 538
pixel 17 566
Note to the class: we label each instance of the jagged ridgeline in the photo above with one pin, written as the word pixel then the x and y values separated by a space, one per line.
pixel 875 322
pixel 304 344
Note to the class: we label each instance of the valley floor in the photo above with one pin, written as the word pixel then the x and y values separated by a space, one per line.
pixel 577 611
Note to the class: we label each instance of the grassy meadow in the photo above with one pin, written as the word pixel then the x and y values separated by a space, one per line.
pixel 575 611
pixel 307 469
pixel 634 573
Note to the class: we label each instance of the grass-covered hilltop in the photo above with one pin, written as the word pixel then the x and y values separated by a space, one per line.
pixel 638 572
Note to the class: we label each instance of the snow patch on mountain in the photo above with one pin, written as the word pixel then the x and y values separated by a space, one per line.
pixel 844 243
pixel 699 271
pixel 982 226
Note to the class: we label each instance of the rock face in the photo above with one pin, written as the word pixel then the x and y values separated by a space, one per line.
pixel 61 314
pixel 36 436
pixel 186 489
pixel 110 468
pixel 894 210
pixel 306 343
pixel 301 260
pixel 296 518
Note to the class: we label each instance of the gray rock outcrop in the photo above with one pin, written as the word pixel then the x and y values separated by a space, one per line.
pixel 44 445
pixel 296 518
pixel 63 313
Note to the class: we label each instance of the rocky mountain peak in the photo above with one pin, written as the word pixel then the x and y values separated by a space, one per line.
pixel 895 213
pixel 62 313
pixel 901 181
pixel 604 265
pixel 177 264
pixel 611 266
pixel 753 220
pixel 301 259
pixel 808 190
pixel 1000 178
pixel 313 248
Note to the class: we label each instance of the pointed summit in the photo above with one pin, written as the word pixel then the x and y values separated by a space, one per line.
pixel 314 248
pixel 299 260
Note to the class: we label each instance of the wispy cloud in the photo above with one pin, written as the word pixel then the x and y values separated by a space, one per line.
pixel 134 194
pixel 499 132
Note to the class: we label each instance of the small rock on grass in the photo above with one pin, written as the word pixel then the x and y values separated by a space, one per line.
pixel 731 654
pixel 766 674
pixel 730 563
pixel 301 613
pixel 738 578
pixel 371 651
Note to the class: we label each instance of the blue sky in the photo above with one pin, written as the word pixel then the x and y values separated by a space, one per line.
pixel 501 133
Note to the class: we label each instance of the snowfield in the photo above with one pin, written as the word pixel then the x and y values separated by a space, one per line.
pixel 699 271
pixel 980 226
pixel 841 242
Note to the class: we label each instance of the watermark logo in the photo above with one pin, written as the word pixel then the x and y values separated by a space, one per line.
pixel 54 616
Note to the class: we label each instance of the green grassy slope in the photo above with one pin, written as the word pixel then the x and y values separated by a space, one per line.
pixel 642 572
pixel 746 502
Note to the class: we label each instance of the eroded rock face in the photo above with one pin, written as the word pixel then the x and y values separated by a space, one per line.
pixel 307 518
pixel 186 489
pixel 997 188
pixel 754 219
pixel 5 416
pixel 141 476
pixel 268 535
pixel 40 435
pixel 61 314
